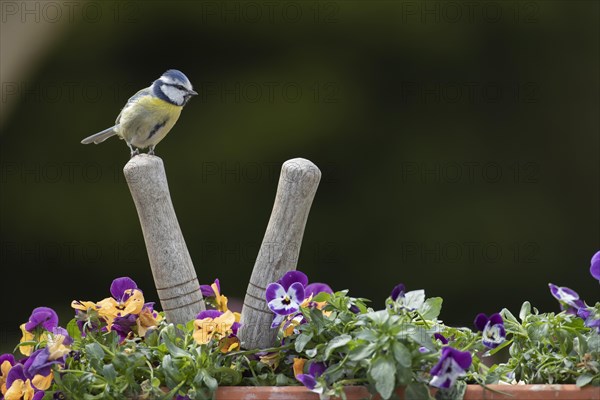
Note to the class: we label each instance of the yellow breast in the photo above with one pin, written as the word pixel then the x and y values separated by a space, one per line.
pixel 147 121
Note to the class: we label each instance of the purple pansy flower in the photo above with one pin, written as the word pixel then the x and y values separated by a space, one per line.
pixel 595 267
pixel 589 316
pixel 235 327
pixel 209 314
pixel 354 309
pixel 440 337
pixel 292 277
pixel 452 365
pixel 44 317
pixel 285 301
pixel 310 289
pixel 7 357
pixel 18 373
pixel 277 320
pixel 208 291
pixel 315 288
pixel 124 325
pixel 215 314
pixel 59 330
pixel 398 291
pixel 493 330
pixel 569 299
pixel 309 380
pixel 285 296
pixel 38 363
pixel 121 288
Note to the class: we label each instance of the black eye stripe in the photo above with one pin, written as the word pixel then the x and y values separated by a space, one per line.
pixel 177 86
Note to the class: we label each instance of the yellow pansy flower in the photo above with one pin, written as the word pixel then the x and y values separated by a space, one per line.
pixel 213 324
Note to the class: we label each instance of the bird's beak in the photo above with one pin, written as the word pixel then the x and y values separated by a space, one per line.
pixel 192 92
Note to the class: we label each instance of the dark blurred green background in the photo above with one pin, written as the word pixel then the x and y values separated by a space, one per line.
pixel 458 143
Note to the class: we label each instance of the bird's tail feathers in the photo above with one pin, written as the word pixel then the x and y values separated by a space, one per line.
pixel 100 136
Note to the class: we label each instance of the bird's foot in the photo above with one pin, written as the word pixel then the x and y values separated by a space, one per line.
pixel 134 152
pixel 151 151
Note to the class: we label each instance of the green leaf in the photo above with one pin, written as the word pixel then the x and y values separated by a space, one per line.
pixel 594 343
pixel 335 343
pixel 302 340
pixel 500 347
pixel 310 353
pixel 174 350
pixel 378 317
pixel 227 376
pixel 109 373
pixel 417 391
pixel 210 382
pixel 420 336
pixel 402 354
pixel 584 379
pixel 73 329
pixel 525 311
pixel 171 371
pixel 94 351
pixel 367 334
pixel 508 316
pixel 321 297
pixel 383 372
pixel 405 376
pixel 431 308
pixel 414 299
pixel 456 392
pixel 152 337
pixel 362 351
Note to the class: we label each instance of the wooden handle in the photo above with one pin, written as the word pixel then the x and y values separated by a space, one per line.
pixel 280 248
pixel 174 274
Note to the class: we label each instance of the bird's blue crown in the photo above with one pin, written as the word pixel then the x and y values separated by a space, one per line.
pixel 173 87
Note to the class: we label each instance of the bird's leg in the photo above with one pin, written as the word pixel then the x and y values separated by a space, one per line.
pixel 151 151
pixel 133 152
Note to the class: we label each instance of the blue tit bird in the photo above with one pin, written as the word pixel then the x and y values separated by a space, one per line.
pixel 150 113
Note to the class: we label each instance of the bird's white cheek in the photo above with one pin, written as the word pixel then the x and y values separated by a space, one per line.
pixel 174 94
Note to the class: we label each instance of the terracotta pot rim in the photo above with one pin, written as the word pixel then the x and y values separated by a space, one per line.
pixel 474 392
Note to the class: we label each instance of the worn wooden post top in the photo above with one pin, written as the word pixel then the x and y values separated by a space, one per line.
pixel 280 248
pixel 174 274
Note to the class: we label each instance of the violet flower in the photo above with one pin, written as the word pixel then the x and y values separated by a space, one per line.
pixel 590 317
pixel 292 277
pixel 285 301
pixel 452 365
pixel 315 288
pixel 398 291
pixel 309 380
pixel 569 299
pixel 19 386
pixel 124 325
pixel 440 337
pixel 287 295
pixel 44 317
pixel 492 328
pixel 208 291
pixel 595 267
pixel 6 363
pixel 39 363
pixel 122 288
